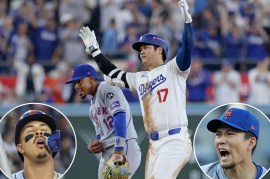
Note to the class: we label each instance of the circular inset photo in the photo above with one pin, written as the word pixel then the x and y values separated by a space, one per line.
pixel 232 141
pixel 36 140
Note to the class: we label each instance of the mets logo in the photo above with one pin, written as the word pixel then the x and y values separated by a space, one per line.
pixel 117 141
pixel 228 114
pixel 147 88
pixel 31 112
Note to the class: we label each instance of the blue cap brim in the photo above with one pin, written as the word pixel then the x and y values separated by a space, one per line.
pixel 73 79
pixel 78 78
pixel 137 45
pixel 216 123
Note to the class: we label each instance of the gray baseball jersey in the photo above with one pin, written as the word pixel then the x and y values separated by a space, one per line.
pixel 108 101
pixel 20 175
pixel 215 171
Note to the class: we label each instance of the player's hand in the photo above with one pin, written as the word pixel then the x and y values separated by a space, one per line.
pixel 95 147
pixel 185 11
pixel 89 39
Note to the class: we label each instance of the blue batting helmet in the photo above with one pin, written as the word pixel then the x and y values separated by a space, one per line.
pixel 151 39
pixel 33 115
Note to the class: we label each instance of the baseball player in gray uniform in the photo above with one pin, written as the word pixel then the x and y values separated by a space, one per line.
pixel 110 113
pixel 161 91
pixel 37 142
pixel 237 133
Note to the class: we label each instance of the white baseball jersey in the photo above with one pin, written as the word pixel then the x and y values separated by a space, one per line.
pixel 224 87
pixel 259 82
pixel 20 175
pixel 162 94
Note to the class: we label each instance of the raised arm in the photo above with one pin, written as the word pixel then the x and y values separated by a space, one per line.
pixel 183 57
pixel 113 75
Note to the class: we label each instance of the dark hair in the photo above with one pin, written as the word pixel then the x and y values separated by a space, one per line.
pixel 163 53
pixel 248 135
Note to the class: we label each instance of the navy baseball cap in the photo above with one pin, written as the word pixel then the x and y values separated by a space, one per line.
pixel 237 118
pixel 81 71
pixel 33 115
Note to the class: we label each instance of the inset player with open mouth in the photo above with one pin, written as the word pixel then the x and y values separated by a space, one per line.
pixel 237 133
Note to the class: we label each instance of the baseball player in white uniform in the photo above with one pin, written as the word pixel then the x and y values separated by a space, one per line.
pixel 110 113
pixel 161 91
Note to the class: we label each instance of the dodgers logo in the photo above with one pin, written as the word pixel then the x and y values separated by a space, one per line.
pixel 147 88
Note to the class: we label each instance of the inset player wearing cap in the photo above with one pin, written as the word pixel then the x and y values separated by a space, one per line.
pixel 37 141
pixel 237 133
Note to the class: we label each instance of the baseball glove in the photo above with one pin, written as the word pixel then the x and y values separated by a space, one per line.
pixel 117 167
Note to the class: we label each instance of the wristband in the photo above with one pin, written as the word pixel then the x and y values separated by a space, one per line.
pixel 119 144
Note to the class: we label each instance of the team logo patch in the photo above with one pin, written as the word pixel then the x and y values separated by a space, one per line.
pixel 110 95
pixel 117 141
pixel 114 105
pixel 228 114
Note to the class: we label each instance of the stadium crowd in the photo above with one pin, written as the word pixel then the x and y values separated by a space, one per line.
pixel 39 43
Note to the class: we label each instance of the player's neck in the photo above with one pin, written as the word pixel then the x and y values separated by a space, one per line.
pixel 95 89
pixel 44 170
pixel 240 171
pixel 155 65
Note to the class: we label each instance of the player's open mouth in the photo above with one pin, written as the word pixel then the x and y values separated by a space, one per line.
pixel 79 92
pixel 40 142
pixel 224 154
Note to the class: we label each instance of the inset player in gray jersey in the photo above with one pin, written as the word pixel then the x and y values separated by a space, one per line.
pixel 237 133
pixel 111 116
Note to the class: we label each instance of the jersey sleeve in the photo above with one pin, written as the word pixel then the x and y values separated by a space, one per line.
pixel 183 57
pixel 114 99
pixel 132 80
pixel 211 169
pixel 110 70
pixel 174 69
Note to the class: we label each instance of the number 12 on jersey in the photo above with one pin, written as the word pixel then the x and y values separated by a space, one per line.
pixel 162 95
pixel 108 122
